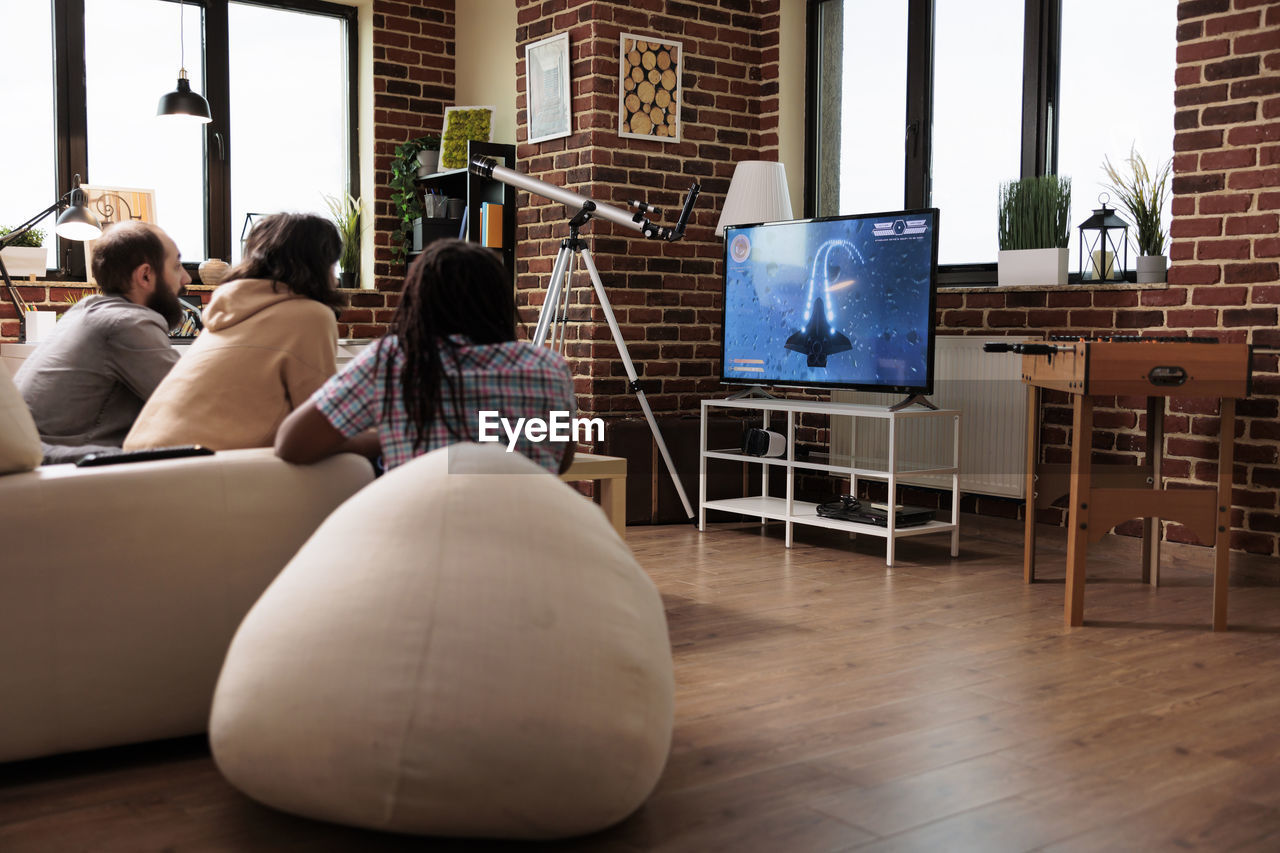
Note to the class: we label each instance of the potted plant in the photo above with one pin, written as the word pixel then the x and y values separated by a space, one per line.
pixel 404 192
pixel 1143 194
pixel 346 216
pixel 26 255
pixel 429 155
pixel 1034 230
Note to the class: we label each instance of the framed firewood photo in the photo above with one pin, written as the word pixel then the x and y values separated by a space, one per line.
pixel 649 88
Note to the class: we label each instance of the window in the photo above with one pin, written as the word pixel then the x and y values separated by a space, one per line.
pixel 927 103
pixel 299 150
pixel 28 149
pixel 279 76
pixel 127 145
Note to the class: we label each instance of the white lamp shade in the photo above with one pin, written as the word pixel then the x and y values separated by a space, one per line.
pixel 757 193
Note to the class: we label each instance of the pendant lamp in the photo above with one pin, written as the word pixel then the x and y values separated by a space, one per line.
pixel 183 103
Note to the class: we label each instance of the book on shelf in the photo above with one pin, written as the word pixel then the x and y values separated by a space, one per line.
pixel 491 225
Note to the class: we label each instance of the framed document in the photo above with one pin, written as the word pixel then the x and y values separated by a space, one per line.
pixel 546 74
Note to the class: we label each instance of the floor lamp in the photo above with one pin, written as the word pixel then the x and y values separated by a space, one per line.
pixel 75 223
pixel 757 193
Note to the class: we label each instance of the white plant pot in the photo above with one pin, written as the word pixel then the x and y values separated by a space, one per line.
pixel 24 261
pixel 1152 269
pixel 1032 266
pixel 428 162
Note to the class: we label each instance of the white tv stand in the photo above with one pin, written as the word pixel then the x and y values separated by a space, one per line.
pixel 791 511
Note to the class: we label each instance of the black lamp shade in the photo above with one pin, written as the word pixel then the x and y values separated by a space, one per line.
pixel 77 222
pixel 185 103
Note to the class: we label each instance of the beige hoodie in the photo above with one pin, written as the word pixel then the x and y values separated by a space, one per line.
pixel 263 351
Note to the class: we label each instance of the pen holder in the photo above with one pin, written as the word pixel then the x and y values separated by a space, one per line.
pixel 435 206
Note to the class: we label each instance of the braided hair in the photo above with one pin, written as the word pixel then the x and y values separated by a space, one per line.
pixel 453 288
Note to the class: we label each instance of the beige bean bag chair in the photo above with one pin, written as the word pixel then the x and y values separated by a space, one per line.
pixel 464 648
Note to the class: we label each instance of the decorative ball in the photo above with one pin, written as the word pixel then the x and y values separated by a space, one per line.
pixel 213 271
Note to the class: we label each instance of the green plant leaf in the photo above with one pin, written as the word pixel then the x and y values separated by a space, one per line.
pixel 1034 213
pixel 1143 194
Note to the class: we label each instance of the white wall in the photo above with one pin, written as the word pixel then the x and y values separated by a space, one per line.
pixel 486 61
pixel 791 92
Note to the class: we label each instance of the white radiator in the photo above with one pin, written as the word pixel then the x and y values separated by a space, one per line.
pixel 987 388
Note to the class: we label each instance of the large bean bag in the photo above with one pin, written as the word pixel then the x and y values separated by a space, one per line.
pixel 464 648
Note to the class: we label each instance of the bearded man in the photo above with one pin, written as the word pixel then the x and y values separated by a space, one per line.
pixel 86 384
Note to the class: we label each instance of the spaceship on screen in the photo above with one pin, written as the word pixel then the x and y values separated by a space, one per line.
pixel 818 339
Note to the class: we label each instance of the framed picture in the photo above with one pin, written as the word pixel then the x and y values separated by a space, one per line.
pixel 546 74
pixel 649 88
pixel 461 125
pixel 115 204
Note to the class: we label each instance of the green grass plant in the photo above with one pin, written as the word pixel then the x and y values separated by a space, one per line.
pixel 1034 213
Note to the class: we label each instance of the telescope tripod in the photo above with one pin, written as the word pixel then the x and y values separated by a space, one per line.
pixel 554 313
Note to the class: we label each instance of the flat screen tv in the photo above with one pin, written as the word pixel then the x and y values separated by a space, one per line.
pixel 835 302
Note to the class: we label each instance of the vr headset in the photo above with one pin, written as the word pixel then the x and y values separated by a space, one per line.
pixel 762 442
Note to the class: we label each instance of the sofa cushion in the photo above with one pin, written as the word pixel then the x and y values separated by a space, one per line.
pixel 464 648
pixel 20 448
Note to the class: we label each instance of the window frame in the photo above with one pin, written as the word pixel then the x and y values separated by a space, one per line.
pixel 71 111
pixel 1042 36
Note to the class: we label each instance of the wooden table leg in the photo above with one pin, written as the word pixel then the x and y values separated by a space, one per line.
pixel 1033 459
pixel 1154 462
pixel 613 500
pixel 1078 511
pixel 1222 538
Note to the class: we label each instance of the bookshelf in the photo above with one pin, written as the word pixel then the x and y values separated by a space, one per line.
pixel 476 190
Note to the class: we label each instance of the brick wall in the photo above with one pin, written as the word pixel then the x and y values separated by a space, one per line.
pixel 413 81
pixel 1223 277
pixel 666 296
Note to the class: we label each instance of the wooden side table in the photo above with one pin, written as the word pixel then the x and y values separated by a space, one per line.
pixel 611 473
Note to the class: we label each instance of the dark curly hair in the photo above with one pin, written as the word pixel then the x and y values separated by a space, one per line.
pixel 297 250
pixel 453 288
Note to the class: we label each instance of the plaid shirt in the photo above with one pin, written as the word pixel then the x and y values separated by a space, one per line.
pixel 515 379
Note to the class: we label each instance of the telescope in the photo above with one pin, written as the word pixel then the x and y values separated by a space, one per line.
pixel 487 167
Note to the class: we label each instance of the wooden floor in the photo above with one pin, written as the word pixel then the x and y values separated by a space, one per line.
pixel 826 703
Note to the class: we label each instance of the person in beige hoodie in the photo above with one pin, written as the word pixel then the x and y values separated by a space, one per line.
pixel 270 340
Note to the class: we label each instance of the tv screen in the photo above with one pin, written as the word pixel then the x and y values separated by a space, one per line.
pixel 844 301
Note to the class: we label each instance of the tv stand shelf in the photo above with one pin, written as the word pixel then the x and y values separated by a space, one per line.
pixel 791 511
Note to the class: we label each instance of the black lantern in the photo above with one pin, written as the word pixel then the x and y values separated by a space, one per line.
pixel 1104 245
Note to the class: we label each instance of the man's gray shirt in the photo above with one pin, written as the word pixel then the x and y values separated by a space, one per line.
pixel 86 384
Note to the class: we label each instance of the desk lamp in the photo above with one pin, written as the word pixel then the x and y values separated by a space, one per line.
pixel 75 223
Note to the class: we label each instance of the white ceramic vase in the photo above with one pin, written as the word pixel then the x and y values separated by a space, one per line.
pixel 213 271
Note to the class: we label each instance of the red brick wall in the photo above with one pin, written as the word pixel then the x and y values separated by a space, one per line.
pixel 413 81
pixel 1223 276
pixel 666 296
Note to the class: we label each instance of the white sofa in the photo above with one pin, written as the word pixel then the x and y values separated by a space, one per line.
pixel 122 586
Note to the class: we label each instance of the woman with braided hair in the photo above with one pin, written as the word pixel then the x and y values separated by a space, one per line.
pixel 451 354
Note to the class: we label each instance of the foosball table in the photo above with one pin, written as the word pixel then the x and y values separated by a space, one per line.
pixel 1102 497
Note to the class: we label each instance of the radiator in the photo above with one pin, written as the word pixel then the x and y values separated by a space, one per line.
pixel 987 389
